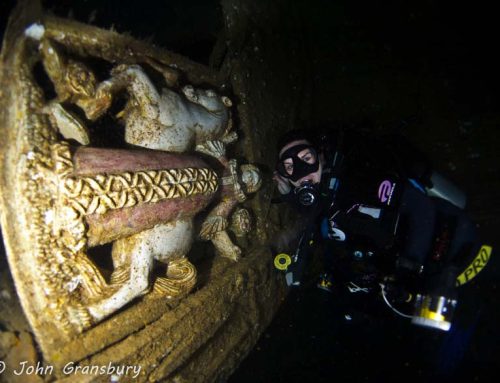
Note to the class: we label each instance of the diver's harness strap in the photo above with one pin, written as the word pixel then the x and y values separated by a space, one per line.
pixel 333 169
pixel 332 182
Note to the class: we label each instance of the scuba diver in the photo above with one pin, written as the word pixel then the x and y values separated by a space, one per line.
pixel 379 199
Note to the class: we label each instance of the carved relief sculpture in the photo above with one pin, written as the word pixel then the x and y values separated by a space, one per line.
pixel 71 195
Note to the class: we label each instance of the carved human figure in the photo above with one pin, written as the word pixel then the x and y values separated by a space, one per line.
pixel 235 187
pixel 73 83
pixel 241 222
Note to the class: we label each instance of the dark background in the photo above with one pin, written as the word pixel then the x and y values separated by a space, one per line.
pixel 426 69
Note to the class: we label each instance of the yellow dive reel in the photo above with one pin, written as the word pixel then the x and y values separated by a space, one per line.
pixel 282 261
pixel 293 265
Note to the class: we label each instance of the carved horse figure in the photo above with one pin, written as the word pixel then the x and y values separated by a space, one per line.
pixel 165 120
pixel 161 120
pixel 143 201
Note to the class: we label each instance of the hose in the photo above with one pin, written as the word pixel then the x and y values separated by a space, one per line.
pixel 382 289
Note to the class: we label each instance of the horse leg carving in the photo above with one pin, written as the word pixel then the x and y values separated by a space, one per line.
pixel 135 283
pixel 133 259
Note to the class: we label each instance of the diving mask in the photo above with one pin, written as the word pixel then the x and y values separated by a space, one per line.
pixel 295 167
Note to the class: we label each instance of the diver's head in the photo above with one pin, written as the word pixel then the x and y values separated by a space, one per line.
pixel 298 160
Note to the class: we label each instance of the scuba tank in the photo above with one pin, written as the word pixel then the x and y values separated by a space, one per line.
pixel 445 189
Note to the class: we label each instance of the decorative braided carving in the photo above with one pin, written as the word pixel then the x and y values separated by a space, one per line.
pixel 103 192
pixel 98 194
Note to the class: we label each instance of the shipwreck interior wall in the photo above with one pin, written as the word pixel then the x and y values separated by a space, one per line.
pixel 416 70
